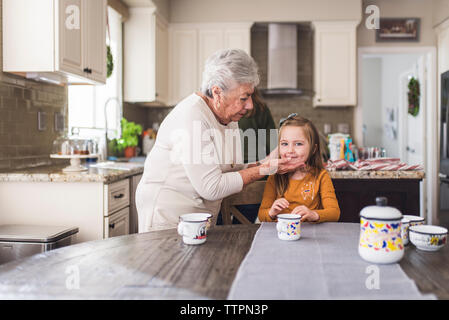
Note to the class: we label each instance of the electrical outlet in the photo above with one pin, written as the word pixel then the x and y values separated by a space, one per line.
pixel 59 122
pixel 41 121
pixel 343 128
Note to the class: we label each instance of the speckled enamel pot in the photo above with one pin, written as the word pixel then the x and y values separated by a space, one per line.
pixel 381 233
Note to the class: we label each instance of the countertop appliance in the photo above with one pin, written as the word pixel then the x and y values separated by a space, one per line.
pixel 19 241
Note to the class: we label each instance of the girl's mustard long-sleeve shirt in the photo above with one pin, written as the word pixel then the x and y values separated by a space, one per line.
pixel 316 194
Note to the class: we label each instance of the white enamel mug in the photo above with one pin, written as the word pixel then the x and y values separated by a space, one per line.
pixel 193 227
pixel 289 226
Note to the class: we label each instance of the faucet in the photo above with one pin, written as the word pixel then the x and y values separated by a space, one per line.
pixel 106 121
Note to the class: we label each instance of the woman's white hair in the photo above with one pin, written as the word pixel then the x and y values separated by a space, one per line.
pixel 227 68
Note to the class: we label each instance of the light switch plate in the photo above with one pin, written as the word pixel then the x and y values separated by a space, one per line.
pixel 41 121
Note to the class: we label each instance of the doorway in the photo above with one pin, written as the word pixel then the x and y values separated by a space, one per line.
pixel 381 118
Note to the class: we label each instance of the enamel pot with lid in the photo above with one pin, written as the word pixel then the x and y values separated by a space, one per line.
pixel 380 233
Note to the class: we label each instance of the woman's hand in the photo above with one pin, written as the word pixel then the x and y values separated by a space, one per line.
pixel 280 166
pixel 278 205
pixel 306 214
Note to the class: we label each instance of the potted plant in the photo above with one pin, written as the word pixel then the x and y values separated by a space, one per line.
pixel 130 138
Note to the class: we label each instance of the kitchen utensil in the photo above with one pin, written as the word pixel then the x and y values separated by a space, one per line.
pixel 193 227
pixel 289 226
pixel 415 220
pixel 380 233
pixel 428 237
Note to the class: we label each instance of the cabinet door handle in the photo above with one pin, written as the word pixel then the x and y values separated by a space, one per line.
pixel 112 225
pixel 121 195
pixel 87 70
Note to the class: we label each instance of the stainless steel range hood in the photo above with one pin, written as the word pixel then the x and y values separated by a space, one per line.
pixel 282 59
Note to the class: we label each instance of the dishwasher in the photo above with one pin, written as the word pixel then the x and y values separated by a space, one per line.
pixel 19 241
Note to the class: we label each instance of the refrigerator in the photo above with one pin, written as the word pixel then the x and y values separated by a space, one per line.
pixel 444 142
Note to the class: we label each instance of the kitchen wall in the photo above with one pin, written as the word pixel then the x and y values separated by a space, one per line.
pixel 397 9
pixel 145 116
pixel 21 144
pixel 440 11
pixel 372 100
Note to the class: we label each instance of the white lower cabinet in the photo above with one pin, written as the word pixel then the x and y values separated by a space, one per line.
pixel 117 224
pixel 98 210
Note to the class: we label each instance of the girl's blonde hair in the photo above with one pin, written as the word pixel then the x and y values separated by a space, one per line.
pixel 314 163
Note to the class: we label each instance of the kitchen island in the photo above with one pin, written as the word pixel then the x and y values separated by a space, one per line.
pixel 354 190
pixel 157 265
pixel 99 201
pixel 358 189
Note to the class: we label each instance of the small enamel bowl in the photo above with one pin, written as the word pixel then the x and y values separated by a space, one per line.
pixel 427 237
pixel 414 220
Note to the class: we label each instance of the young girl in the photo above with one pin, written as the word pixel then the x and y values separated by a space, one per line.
pixel 309 191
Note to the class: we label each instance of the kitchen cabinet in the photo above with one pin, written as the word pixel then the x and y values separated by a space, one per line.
pixel 117 224
pixel 355 194
pixel 55 40
pixel 335 63
pixel 100 210
pixel 146 58
pixel 133 216
pixel 191 44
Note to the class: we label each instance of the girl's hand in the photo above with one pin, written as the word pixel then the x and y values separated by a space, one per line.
pixel 278 205
pixel 306 214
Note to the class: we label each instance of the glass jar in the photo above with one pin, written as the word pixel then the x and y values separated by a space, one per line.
pixel 61 145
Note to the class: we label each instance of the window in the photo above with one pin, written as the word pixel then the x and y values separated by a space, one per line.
pixel 86 107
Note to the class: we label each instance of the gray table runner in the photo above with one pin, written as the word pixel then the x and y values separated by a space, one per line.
pixel 323 264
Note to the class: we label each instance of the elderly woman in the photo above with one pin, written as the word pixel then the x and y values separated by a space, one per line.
pixel 197 158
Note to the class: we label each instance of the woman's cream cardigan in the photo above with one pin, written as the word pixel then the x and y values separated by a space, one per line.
pixel 191 167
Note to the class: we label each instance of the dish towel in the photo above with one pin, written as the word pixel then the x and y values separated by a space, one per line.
pixel 323 264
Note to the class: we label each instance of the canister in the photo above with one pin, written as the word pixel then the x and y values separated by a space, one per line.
pixel 380 233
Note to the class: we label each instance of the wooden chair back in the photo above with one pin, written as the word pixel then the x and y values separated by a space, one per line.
pixel 251 194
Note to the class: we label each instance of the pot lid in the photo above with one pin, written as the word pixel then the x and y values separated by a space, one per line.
pixel 381 211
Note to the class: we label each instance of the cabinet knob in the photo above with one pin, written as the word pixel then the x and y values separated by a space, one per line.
pixel 87 70
pixel 112 225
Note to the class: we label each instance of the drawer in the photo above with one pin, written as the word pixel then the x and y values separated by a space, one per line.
pixel 117 224
pixel 116 196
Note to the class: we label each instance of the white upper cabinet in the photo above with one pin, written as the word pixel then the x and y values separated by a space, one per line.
pixel 95 39
pixel 183 66
pixel 192 44
pixel 335 63
pixel 63 40
pixel 146 57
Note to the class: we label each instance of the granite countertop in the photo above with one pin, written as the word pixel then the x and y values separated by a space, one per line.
pixel 365 174
pixel 54 173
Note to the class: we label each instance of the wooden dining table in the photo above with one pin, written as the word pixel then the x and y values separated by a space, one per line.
pixel 158 265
